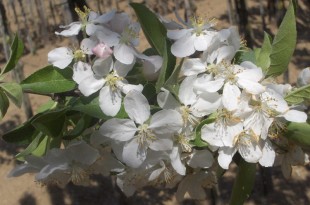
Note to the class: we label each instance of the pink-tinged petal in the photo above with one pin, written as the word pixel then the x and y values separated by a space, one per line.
pixel 225 156
pixel 166 122
pixel 90 85
pixel 88 44
pixel 60 57
pixel 137 107
pixel 231 96
pixel 73 29
pixel 186 92
pixel 295 116
pixel 184 46
pixel 124 54
pixel 102 67
pixel 102 50
pixel 161 144
pixel 193 66
pixel 110 101
pixel 118 129
pixel 268 157
pixel 81 71
pixel 251 86
pixel 134 154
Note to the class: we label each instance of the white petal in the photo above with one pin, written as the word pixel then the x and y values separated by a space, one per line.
pixel 295 116
pixel 124 54
pixel 166 122
pixel 250 152
pixel 102 67
pixel 90 85
pixel 206 104
pixel 183 47
pixel 108 37
pixel 201 159
pixel 81 71
pixel 133 154
pixel 211 136
pixel 88 44
pixel 74 29
pixel 110 101
pixel 204 83
pixel 122 69
pixel 126 88
pixel 193 66
pixel 166 100
pixel 268 157
pixel 225 156
pixel 161 144
pixel 251 86
pixel 60 57
pixel 186 93
pixel 231 96
pixel 104 18
pixel 176 162
pixel 177 34
pixel 137 107
pixel 119 129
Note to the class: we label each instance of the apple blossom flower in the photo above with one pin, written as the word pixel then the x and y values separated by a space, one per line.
pixel 90 22
pixel 152 132
pixel 304 77
pixel 197 37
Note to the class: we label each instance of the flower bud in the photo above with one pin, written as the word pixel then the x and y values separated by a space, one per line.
pixel 102 50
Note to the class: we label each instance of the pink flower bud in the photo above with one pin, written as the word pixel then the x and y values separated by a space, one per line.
pixel 102 50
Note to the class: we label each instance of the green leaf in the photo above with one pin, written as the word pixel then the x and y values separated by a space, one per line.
pixel 167 68
pixel 283 44
pixel 149 91
pixel 198 142
pixel 172 83
pixel 46 106
pixel 51 122
pixel 298 95
pixel 17 49
pixel 31 147
pixel 49 80
pixel 244 182
pixel 90 106
pixel 154 31
pixel 245 55
pixel 83 123
pixel 298 133
pixel 263 59
pixel 4 104
pixel 42 147
pixel 20 135
pixel 14 92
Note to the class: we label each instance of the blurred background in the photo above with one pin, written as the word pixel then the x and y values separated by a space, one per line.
pixel 35 21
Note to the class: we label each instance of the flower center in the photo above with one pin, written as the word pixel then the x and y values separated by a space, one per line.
pixel 78 174
pixel 184 142
pixel 83 15
pixel 246 138
pixel 145 136
pixel 128 35
pixel 112 80
pixel 79 55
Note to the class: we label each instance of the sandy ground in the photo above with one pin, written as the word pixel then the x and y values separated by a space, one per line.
pixel 25 191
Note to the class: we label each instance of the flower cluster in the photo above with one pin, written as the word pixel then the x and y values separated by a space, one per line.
pixel 230 106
